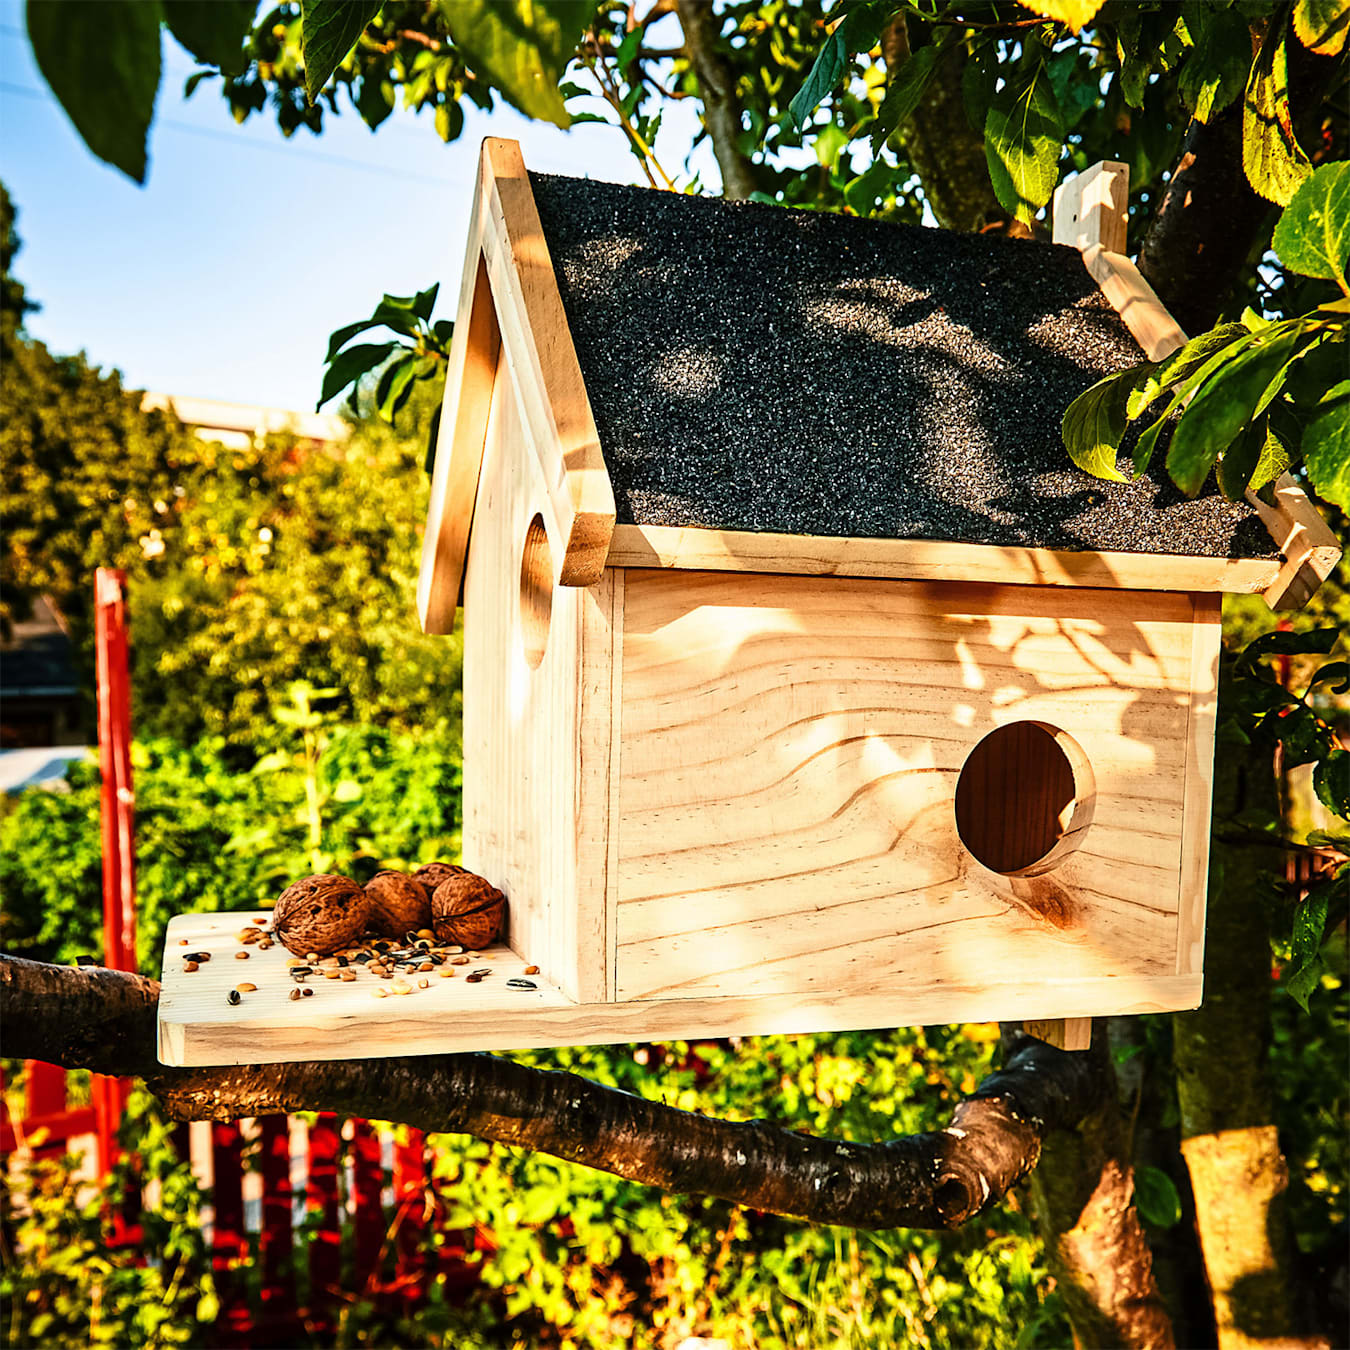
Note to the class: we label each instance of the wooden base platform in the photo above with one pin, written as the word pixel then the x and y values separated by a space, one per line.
pixel 343 1020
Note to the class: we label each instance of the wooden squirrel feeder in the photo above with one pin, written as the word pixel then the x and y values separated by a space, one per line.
pixel 807 685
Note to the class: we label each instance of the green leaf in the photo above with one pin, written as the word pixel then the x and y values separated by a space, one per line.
pixel 1182 364
pixel 863 193
pixel 329 29
pixel 1310 921
pixel 1331 781
pixel 521 46
pixel 348 367
pixel 1326 446
pixel 425 301
pixel 101 60
pixel 1313 234
pixel 904 93
pixel 1237 392
pixel 1271 155
pixel 1216 70
pixel 1303 984
pixel 1094 424
pixel 213 30
pixel 395 386
pixel 826 72
pixel 348 790
pixel 1238 462
pixel 1311 642
pixel 1322 25
pixel 1023 137
pixel 1156 1197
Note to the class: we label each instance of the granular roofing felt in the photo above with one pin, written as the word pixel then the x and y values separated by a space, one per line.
pixel 757 368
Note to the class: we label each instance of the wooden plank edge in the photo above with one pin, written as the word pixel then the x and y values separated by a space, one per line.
pixel 544 360
pixel 666 546
pixel 1310 547
pixel 1065 1033
pixel 194 1044
pixel 1198 781
pixel 470 374
pixel 1090 213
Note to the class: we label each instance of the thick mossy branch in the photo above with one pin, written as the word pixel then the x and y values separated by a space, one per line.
pixel 105 1021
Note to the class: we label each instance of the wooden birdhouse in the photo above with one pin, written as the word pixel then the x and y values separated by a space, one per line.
pixel 807 684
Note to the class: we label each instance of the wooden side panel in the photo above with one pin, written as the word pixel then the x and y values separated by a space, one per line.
pixel 1206 636
pixel 791 749
pixel 531 788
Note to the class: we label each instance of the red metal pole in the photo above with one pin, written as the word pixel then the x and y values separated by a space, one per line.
pixel 118 805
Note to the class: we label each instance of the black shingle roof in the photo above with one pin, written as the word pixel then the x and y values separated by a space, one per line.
pixel 757 368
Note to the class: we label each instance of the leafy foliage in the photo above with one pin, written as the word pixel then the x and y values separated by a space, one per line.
pixel 1249 400
pixel 211 835
pixel 63 1283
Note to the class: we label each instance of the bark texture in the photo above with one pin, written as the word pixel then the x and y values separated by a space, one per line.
pixel 946 153
pixel 105 1021
pixel 1095 1244
pixel 1229 1140
pixel 1210 223
pixel 717 88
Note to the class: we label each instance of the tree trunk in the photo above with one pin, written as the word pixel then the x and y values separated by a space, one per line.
pixel 946 153
pixel 1097 1251
pixel 1229 1139
pixel 717 88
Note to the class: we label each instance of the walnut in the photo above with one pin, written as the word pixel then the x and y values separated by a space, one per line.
pixel 320 914
pixel 399 904
pixel 432 874
pixel 467 910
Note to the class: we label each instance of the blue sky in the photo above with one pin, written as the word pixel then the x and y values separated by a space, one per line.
pixel 224 275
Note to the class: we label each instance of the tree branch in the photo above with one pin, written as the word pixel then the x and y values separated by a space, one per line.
pixel 717 85
pixel 105 1021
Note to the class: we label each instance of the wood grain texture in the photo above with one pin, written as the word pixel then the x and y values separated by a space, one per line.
pixel 1092 207
pixel 1066 1033
pixel 470 373
pixel 197 1026
pixel 536 743
pixel 1154 329
pixel 790 757
pixel 1206 640
pixel 544 365
pixel 649 546
pixel 1309 545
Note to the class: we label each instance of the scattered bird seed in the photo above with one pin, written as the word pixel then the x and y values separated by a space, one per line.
pixel 235 997
pixel 446 972
pixel 333 973
pixel 182 942
pixel 299 972
pixel 266 944
pixel 460 961
pixel 294 995
pixel 246 987
pixel 312 956
pixel 307 992
pixel 475 978
pixel 348 975
pixel 189 956
pixel 532 970
pixel 191 965
pixel 454 951
pixel 241 956
pixel 425 933
pixel 248 936
pixel 521 984
pixel 423 982
pixel 379 992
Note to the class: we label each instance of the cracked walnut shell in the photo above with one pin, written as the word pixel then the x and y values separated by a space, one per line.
pixel 320 914
pixel 467 910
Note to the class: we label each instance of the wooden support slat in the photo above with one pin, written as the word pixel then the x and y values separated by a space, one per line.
pixel 1310 547
pixel 1090 215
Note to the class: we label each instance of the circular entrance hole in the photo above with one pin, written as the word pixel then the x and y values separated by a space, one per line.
pixel 1024 798
pixel 536 591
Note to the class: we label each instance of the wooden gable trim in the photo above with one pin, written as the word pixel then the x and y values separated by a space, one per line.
pixel 1090 213
pixel 509 304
